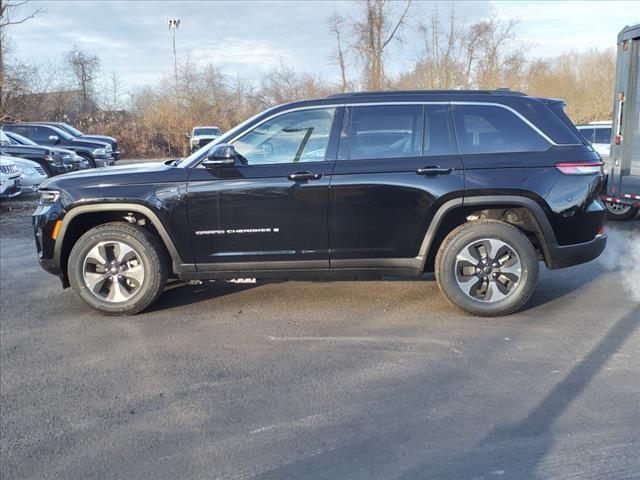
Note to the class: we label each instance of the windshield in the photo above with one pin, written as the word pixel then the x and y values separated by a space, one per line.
pixel 61 133
pixel 71 130
pixel 206 131
pixel 19 139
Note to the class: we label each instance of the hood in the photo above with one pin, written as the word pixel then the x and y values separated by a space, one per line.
pixel 102 138
pixel 137 173
pixel 25 163
pixel 204 137
pixel 6 160
pixel 80 142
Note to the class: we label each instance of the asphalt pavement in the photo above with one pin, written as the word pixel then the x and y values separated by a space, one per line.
pixel 331 380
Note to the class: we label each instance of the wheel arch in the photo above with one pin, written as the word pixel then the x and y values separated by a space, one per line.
pixel 80 219
pixel 522 212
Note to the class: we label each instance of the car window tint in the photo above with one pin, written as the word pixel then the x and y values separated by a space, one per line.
pixel 603 135
pixel 41 134
pixel 301 136
pixel 492 129
pixel 438 139
pixel 587 133
pixel 386 131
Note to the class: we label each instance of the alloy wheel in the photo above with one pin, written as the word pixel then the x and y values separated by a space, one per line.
pixel 113 271
pixel 488 270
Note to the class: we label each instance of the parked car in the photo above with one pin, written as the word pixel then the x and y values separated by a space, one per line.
pixel 623 185
pixel 97 153
pixel 53 160
pixel 9 178
pixel 477 186
pixel 115 152
pixel 201 136
pixel 32 174
pixel 598 134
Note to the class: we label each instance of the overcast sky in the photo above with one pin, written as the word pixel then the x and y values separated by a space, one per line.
pixel 250 37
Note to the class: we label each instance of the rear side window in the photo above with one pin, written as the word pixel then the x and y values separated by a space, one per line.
pixel 587 133
pixel 492 129
pixel 386 131
pixel 603 135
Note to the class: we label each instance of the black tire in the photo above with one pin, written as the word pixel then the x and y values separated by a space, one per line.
pixel 89 158
pixel 452 270
pixel 620 212
pixel 147 250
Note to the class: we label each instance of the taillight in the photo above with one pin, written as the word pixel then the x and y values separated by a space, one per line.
pixel 579 168
pixel 600 231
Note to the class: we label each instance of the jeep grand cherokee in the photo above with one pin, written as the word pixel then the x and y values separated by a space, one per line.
pixel 478 186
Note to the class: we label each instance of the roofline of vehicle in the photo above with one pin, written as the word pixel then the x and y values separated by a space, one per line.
pixel 388 93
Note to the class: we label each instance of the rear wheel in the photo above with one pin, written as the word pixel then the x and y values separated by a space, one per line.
pixel 487 268
pixel 118 268
pixel 620 211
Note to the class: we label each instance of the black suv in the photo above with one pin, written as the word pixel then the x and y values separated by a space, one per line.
pixel 115 153
pixel 478 186
pixel 96 152
pixel 53 160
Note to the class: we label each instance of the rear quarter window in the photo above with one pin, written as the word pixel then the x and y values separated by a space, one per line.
pixel 493 129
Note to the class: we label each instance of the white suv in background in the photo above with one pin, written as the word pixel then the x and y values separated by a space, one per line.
pixel 9 179
pixel 599 134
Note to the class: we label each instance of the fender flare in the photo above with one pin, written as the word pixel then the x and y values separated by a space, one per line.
pixel 124 207
pixel 545 228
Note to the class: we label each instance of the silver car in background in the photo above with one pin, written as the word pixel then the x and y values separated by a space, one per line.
pixel 32 174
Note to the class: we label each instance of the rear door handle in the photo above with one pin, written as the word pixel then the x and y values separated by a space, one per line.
pixel 304 176
pixel 434 170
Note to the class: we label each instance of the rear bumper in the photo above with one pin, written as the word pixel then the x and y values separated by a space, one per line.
pixel 562 256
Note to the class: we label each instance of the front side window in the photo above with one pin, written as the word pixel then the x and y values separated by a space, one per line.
pixel 386 131
pixel 493 129
pixel 603 135
pixel 301 136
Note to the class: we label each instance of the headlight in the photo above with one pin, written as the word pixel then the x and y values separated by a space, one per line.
pixel 108 148
pixel 194 141
pixel 99 151
pixel 48 197
pixel 67 158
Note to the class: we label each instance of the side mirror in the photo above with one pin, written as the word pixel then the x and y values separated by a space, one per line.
pixel 220 156
pixel 187 135
pixel 54 138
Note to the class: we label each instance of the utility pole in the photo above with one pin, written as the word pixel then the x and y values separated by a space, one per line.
pixel 173 24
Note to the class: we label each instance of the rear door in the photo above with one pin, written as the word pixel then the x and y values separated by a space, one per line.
pixel 396 165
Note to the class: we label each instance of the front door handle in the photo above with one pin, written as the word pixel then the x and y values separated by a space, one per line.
pixel 432 170
pixel 304 176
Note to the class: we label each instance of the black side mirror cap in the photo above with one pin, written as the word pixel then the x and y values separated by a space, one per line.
pixel 220 155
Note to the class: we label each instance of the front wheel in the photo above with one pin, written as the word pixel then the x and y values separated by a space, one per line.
pixel 487 268
pixel 620 211
pixel 118 268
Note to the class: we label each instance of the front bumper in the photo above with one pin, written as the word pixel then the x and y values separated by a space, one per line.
pixel 562 256
pixel 11 188
pixel 104 162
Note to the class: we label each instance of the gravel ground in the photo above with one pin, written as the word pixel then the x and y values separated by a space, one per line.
pixel 330 380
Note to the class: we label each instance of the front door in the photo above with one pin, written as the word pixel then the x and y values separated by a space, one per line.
pixel 269 210
pixel 395 165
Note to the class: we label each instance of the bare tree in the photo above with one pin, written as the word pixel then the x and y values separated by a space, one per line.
pixel 113 91
pixel 85 68
pixel 372 35
pixel 337 26
pixel 8 18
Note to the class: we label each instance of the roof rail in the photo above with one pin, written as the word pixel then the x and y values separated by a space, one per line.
pixel 498 91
